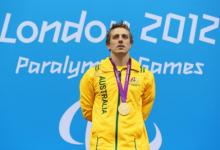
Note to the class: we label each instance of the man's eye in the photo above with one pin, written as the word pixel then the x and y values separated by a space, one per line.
pixel 125 36
pixel 115 36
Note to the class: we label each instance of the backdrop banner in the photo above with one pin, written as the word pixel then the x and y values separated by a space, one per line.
pixel 47 46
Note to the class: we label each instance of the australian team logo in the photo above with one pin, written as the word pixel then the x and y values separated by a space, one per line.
pixel 134 81
pixel 67 119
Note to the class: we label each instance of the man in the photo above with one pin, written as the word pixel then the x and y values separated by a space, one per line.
pixel 117 96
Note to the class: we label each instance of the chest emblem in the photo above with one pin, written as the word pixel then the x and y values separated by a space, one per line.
pixel 134 81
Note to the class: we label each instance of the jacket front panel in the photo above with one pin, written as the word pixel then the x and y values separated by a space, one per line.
pixel 110 130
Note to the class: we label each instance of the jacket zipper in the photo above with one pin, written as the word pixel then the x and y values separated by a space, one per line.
pixel 135 144
pixel 117 115
pixel 97 142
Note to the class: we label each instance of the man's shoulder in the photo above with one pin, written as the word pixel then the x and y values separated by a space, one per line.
pixel 137 66
pixel 105 65
pixel 142 69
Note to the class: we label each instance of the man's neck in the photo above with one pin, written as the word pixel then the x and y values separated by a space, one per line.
pixel 120 60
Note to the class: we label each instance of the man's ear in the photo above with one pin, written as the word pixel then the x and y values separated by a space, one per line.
pixel 108 46
pixel 130 46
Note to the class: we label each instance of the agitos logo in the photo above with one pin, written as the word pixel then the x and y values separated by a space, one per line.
pixel 67 119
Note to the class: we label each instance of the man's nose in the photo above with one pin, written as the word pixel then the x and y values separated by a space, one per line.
pixel 120 40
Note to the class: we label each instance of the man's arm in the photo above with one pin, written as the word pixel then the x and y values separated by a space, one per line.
pixel 87 94
pixel 148 95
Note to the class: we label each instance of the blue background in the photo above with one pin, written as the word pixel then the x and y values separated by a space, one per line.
pixel 31 105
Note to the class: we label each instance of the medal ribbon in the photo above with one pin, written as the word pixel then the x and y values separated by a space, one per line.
pixel 123 92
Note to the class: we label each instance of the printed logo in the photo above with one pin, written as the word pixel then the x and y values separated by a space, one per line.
pixel 104 94
pixel 134 81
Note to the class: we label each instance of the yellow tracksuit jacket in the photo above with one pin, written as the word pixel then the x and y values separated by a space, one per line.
pixel 100 99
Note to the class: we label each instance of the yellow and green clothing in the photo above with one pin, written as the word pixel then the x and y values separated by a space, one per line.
pixel 100 99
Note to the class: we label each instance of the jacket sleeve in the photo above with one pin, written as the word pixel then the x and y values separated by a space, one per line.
pixel 87 94
pixel 148 94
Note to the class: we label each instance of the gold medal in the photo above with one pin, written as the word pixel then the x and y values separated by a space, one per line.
pixel 123 109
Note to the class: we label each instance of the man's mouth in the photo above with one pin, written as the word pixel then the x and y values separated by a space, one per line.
pixel 120 46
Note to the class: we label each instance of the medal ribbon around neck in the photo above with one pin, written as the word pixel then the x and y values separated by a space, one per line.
pixel 123 92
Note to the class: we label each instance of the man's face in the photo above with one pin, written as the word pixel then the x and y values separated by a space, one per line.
pixel 120 42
